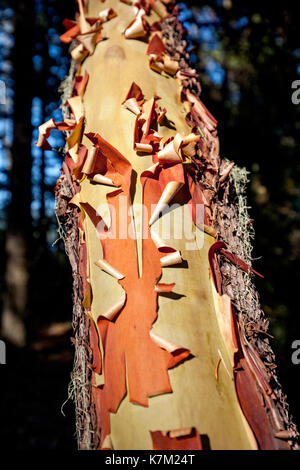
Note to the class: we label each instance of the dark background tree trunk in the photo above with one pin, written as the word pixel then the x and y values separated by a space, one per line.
pixel 19 233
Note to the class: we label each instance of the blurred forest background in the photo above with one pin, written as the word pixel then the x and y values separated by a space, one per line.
pixel 247 53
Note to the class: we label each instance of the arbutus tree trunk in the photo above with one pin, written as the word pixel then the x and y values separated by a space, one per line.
pixel 171 345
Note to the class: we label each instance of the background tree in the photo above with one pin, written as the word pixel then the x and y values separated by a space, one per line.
pixel 18 234
pixel 32 67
